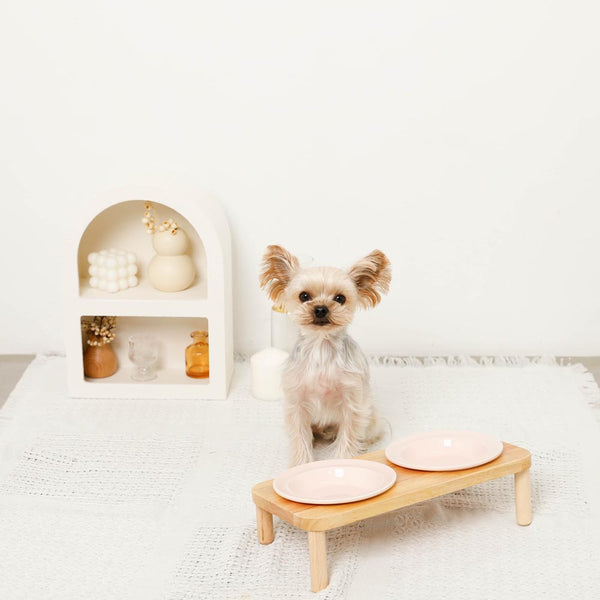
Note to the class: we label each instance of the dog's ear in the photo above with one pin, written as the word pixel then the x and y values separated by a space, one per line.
pixel 278 266
pixel 372 276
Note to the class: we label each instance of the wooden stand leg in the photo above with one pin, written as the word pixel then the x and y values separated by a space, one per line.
pixel 264 526
pixel 523 497
pixel 317 547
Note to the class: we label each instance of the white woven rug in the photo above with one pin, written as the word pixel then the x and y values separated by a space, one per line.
pixel 128 499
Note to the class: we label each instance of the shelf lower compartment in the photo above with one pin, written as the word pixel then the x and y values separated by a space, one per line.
pixel 171 381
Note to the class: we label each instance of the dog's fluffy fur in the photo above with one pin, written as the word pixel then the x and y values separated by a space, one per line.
pixel 326 378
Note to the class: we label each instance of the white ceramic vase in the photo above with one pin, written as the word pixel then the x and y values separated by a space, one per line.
pixel 171 269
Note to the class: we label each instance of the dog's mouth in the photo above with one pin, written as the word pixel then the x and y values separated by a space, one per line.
pixel 320 321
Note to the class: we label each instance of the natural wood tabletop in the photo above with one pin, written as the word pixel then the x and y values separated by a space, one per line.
pixel 410 487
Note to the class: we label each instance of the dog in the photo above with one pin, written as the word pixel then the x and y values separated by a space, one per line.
pixel 326 377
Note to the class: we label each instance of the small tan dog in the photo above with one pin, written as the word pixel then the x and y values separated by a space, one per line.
pixel 326 378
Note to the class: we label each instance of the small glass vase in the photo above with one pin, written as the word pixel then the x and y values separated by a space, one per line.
pixel 196 356
pixel 143 353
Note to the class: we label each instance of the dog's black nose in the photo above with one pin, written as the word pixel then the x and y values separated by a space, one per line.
pixel 321 312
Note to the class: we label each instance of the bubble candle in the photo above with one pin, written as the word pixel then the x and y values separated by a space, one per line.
pixel 112 270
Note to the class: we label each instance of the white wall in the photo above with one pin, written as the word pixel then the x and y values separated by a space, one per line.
pixel 459 137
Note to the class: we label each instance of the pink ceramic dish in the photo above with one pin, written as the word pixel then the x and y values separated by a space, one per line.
pixel 444 450
pixel 334 481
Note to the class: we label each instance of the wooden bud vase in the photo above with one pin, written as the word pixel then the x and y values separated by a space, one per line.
pixel 99 361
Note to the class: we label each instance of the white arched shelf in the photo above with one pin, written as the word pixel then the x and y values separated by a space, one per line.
pixel 113 220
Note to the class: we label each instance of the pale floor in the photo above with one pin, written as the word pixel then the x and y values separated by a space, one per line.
pixel 13 365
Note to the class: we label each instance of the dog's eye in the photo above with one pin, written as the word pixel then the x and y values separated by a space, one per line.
pixel 340 299
pixel 304 296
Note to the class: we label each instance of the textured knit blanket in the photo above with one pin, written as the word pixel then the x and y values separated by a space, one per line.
pixel 150 499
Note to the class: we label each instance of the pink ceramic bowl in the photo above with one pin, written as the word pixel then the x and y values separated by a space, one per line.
pixel 444 450
pixel 334 481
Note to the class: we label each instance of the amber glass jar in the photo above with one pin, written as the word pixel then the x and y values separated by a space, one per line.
pixel 196 356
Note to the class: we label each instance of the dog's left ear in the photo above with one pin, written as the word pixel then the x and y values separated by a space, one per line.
pixel 372 276
pixel 278 266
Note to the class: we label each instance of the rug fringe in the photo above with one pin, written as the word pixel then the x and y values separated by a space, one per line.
pixel 589 387
pixel 463 361
pixel 459 360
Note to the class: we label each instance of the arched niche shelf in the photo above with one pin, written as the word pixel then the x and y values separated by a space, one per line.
pixel 113 220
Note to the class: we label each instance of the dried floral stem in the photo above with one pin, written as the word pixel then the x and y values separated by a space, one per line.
pixel 149 220
pixel 100 330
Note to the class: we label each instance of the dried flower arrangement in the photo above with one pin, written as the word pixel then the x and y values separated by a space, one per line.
pixel 149 220
pixel 100 330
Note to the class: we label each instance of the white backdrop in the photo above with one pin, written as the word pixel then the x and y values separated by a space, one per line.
pixel 459 137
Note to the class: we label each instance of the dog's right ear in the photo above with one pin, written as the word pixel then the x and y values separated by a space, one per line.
pixel 278 266
pixel 372 276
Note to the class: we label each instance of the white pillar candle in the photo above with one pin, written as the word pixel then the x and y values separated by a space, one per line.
pixel 266 369
pixel 284 331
